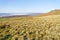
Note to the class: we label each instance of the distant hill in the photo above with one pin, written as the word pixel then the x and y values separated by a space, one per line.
pixel 8 15
pixel 35 14
pixel 5 14
pixel 54 12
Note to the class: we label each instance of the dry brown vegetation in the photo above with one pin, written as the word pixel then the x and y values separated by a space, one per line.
pixel 53 12
pixel 30 28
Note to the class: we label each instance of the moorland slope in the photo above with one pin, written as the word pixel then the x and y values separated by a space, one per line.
pixel 30 28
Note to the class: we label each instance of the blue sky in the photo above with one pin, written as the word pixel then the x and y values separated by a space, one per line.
pixel 28 6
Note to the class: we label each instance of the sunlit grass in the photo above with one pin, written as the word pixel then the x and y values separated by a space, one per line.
pixel 31 28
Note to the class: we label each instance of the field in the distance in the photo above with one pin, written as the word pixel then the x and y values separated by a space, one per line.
pixel 30 28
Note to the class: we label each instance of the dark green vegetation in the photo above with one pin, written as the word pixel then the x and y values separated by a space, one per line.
pixel 6 37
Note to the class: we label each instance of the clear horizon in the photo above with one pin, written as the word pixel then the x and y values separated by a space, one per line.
pixel 28 6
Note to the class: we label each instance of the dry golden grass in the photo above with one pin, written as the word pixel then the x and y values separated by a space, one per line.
pixel 30 28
